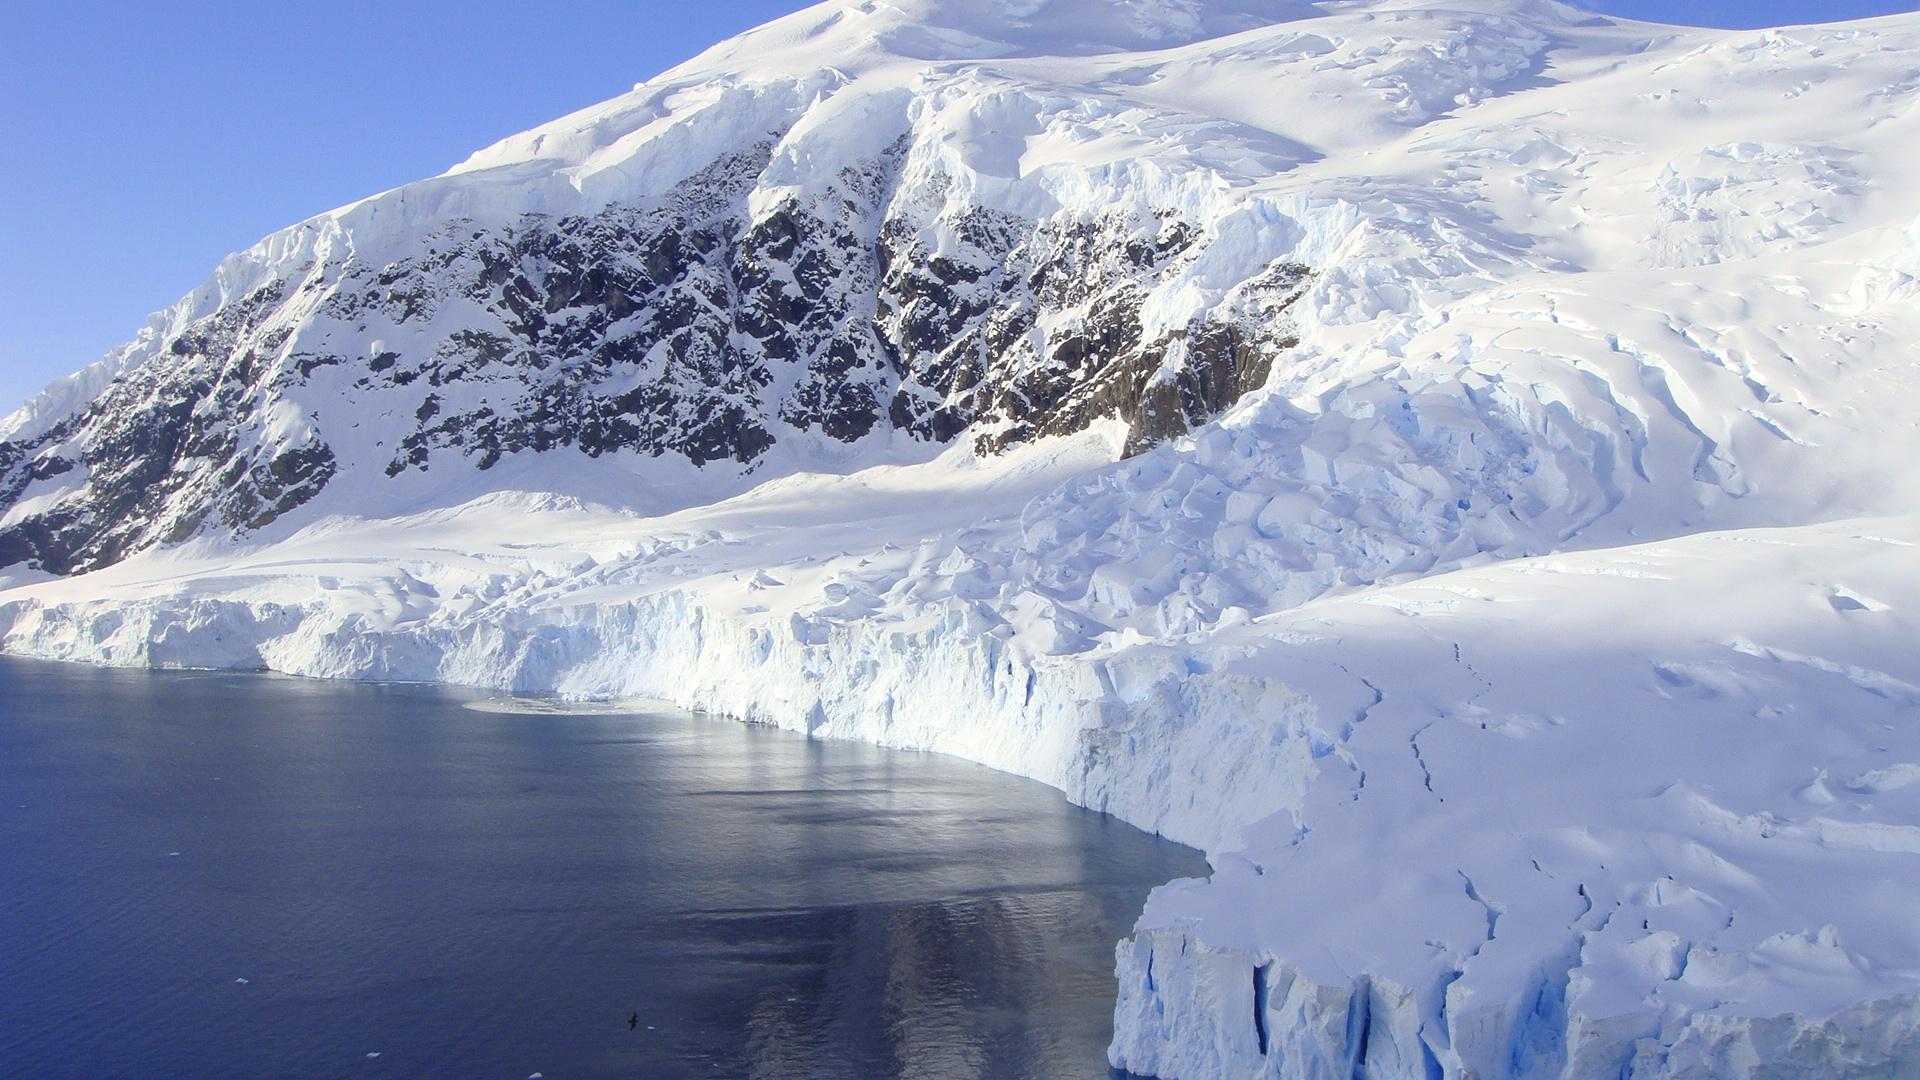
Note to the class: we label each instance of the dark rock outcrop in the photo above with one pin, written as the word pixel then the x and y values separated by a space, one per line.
pixel 684 326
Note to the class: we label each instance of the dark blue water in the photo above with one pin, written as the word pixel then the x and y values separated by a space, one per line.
pixel 473 894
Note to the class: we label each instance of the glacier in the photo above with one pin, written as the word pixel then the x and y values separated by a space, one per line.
pixel 1448 461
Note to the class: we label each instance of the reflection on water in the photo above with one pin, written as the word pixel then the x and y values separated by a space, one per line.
pixel 471 893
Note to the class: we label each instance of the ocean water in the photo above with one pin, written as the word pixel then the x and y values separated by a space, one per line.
pixel 210 875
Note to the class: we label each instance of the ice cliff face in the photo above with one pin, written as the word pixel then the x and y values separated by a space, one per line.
pixel 1446 461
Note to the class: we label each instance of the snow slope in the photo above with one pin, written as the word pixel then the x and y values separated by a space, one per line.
pixel 1520 611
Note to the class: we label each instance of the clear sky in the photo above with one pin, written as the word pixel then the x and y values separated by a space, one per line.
pixel 139 145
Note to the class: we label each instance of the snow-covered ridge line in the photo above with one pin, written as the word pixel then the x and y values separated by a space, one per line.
pixel 709 321
pixel 823 251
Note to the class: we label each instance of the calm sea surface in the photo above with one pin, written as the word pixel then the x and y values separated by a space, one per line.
pixel 248 876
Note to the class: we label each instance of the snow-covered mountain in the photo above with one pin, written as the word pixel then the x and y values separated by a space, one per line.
pixel 1450 461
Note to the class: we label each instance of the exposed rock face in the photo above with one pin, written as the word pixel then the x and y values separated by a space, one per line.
pixel 685 325
pixel 165 450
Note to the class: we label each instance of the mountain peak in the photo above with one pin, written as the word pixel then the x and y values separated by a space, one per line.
pixel 847 31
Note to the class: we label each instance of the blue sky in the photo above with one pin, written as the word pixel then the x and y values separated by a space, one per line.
pixel 138 146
